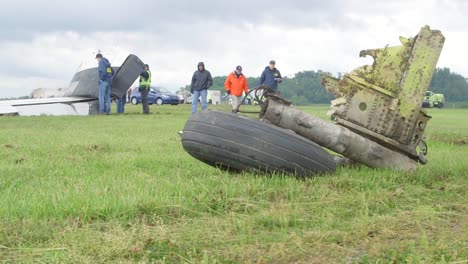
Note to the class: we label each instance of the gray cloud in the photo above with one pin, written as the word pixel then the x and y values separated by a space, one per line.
pixel 20 18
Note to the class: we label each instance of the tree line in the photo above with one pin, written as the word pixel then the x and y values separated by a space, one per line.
pixel 305 87
pixel 453 85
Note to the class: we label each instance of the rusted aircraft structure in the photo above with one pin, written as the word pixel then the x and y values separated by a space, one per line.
pixel 378 118
pixel 383 101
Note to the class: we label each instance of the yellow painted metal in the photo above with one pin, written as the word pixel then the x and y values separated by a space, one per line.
pixel 386 98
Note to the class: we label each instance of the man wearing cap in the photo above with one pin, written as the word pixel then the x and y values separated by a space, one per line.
pixel 235 85
pixel 144 88
pixel 105 72
pixel 271 76
pixel 201 81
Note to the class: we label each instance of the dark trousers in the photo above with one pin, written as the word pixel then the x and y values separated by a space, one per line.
pixel 144 101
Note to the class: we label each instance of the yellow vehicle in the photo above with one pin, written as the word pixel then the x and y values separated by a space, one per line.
pixel 433 100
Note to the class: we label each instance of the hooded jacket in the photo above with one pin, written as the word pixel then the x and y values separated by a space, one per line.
pixel 105 70
pixel 268 78
pixel 201 80
pixel 236 84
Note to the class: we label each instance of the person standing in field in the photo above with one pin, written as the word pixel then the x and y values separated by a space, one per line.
pixel 201 81
pixel 105 72
pixel 121 103
pixel 144 88
pixel 271 76
pixel 235 85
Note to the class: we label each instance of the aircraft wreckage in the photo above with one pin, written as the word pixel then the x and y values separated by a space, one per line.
pixel 378 119
pixel 80 97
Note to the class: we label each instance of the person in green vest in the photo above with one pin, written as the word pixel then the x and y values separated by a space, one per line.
pixel 144 88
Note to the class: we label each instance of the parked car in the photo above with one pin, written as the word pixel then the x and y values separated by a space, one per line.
pixel 157 95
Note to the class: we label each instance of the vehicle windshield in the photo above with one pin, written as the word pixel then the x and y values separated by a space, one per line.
pixel 160 90
pixel 428 93
pixel 164 90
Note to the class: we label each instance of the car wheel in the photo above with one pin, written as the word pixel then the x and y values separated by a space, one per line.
pixel 159 101
pixel 134 101
pixel 238 143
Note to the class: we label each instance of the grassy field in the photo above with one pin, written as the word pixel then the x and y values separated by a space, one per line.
pixel 121 189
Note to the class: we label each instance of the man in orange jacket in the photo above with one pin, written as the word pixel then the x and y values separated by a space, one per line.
pixel 235 85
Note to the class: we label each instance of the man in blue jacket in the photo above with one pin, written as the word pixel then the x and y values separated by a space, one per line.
pixel 105 72
pixel 271 76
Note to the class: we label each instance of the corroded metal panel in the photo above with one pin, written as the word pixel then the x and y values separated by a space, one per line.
pixel 383 101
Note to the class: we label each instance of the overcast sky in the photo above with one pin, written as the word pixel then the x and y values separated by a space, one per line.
pixel 43 43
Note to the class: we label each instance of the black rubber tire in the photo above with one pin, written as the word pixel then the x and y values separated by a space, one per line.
pixel 234 142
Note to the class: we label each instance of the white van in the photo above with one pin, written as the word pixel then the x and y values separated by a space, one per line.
pixel 214 97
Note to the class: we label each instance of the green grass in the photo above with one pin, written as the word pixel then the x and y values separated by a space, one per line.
pixel 121 189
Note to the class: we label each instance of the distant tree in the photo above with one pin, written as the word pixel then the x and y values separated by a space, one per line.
pixel 305 88
pixel 218 83
pixel 453 85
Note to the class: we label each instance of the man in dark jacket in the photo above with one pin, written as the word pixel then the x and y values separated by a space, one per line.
pixel 201 81
pixel 271 76
pixel 105 72
pixel 144 88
